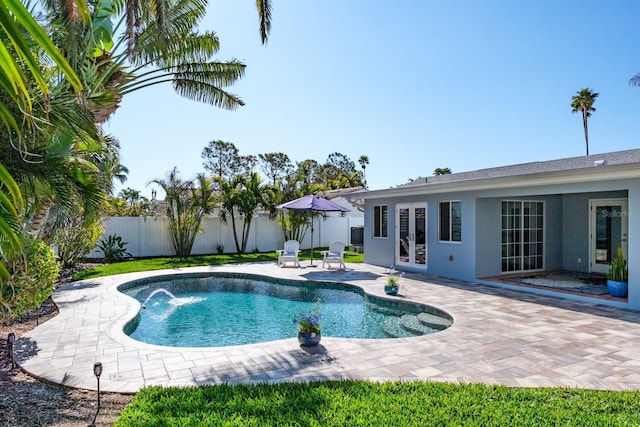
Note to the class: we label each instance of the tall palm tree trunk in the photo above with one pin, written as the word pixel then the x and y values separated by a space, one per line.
pixel 586 129
pixel 235 234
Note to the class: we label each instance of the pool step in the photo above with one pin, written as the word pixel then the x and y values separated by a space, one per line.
pixel 385 310
pixel 433 321
pixel 392 327
pixel 411 323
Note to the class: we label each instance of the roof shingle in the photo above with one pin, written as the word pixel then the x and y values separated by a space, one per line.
pixel 572 163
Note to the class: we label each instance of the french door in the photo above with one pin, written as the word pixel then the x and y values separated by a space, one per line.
pixel 411 234
pixel 608 224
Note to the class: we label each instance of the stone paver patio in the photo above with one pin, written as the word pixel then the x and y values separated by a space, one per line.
pixel 500 336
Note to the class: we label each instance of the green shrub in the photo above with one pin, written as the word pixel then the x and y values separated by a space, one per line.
pixel 114 249
pixel 32 281
pixel 74 242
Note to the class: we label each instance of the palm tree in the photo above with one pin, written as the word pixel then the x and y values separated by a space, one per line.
pixel 56 86
pixel 63 175
pixel 264 14
pixel 135 11
pixel 243 194
pixel 166 49
pixel 364 161
pixel 583 101
pixel 187 202
pixel 442 171
pixel 173 53
pixel 86 59
pixel 23 39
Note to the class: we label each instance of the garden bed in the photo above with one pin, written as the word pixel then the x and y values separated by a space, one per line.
pixel 25 401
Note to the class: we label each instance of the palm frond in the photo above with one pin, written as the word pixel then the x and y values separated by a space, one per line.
pixel 161 20
pixel 207 93
pixel 10 203
pixel 264 14
pixel 201 82
pixel 174 51
pixel 40 37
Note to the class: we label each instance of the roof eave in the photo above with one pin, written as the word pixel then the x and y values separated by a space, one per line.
pixel 590 174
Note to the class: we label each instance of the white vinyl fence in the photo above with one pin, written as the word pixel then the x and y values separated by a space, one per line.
pixel 149 236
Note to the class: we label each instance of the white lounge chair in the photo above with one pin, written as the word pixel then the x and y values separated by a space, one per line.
pixel 289 253
pixel 335 255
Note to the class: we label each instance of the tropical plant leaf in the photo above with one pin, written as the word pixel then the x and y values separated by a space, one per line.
pixel 8 119
pixel 14 34
pixel 9 218
pixel 12 188
pixel 37 32
pixel 264 14
pixel 14 80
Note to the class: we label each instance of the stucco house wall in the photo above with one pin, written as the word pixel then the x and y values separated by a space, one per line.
pixel 379 250
pixel 634 246
pixel 566 196
pixel 575 226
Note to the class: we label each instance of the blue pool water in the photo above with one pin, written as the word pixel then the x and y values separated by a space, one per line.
pixel 223 310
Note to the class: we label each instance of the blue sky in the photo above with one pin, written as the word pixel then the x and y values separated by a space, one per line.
pixel 413 84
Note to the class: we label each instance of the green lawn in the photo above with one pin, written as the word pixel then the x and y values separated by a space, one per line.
pixel 162 263
pixel 361 403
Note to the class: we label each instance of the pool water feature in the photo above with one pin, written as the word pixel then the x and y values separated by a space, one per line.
pixel 216 310
pixel 156 292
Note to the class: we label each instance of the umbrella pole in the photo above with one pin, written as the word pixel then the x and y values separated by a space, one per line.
pixel 311 265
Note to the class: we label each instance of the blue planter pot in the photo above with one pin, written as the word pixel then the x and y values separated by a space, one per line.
pixel 617 289
pixel 390 290
pixel 308 339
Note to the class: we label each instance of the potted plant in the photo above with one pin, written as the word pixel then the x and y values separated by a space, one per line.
pixel 309 326
pixel 393 281
pixel 618 275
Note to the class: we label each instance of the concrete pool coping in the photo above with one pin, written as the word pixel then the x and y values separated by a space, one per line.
pixel 499 336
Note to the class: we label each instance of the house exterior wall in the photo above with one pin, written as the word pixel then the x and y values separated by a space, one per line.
pixel 575 227
pixel 488 250
pixel 380 250
pixel 553 237
pixel 443 258
pixel 453 259
pixel 489 226
pixel 634 246
pixel 566 244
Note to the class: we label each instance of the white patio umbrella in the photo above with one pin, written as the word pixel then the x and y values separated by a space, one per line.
pixel 312 203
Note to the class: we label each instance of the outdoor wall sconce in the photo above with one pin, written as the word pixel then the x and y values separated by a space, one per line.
pixel 97 371
pixel 11 339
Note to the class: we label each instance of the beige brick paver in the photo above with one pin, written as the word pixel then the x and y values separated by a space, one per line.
pixel 499 336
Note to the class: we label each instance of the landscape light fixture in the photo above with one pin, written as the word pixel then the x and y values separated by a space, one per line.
pixel 11 338
pixel 97 371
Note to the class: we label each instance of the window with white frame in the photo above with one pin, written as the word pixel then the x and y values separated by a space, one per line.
pixel 380 221
pixel 450 221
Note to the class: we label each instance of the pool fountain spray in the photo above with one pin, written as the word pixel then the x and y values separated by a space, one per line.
pixel 158 291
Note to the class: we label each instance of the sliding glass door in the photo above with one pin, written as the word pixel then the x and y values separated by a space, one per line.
pixel 522 236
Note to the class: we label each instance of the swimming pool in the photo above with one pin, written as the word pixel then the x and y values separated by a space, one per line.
pixel 222 309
